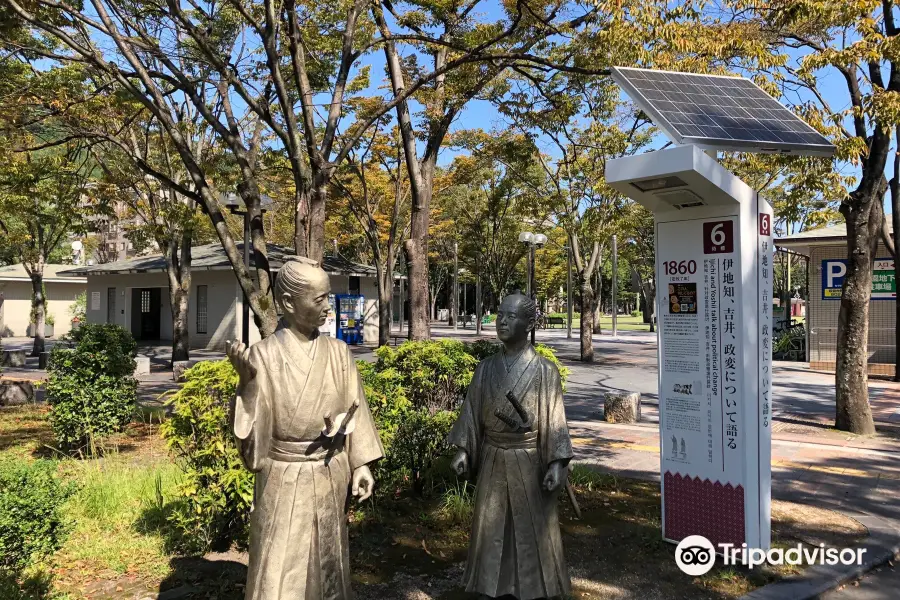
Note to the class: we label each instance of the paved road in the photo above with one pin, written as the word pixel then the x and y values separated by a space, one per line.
pixel 882 584
pixel 627 362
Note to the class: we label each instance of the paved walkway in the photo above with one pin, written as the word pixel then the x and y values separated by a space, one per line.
pixel 881 584
pixel 840 478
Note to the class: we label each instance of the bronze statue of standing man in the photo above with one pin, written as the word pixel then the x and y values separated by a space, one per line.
pixel 304 428
pixel 512 432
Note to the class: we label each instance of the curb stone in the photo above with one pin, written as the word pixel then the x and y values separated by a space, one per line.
pixel 881 546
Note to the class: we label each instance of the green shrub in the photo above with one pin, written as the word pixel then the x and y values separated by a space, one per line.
pixel 482 349
pixel 91 389
pixel 635 313
pixel 414 392
pixel 216 491
pixel 31 519
pixel 548 353
pixel 434 375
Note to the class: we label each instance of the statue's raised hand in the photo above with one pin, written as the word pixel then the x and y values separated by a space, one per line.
pixel 239 356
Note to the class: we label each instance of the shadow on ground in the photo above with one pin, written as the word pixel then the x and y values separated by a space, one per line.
pixel 204 577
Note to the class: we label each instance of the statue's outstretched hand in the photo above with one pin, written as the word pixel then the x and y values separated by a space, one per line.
pixel 554 477
pixel 460 464
pixel 239 356
pixel 363 483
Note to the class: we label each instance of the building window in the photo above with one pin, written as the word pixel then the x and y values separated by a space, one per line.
pixel 110 305
pixel 354 285
pixel 201 308
pixel 145 301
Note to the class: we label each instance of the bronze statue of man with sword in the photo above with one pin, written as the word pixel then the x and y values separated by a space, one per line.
pixel 512 434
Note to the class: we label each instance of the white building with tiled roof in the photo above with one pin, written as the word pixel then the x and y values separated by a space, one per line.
pixel 134 293
pixel 15 299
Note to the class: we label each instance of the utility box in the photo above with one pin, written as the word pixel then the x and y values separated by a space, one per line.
pixel 714 256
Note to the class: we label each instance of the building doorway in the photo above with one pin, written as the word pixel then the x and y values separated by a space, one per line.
pixel 145 313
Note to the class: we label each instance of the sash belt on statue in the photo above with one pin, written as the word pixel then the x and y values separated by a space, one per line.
pixel 286 451
pixel 511 440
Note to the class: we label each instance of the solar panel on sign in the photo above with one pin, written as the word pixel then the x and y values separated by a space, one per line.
pixel 719 112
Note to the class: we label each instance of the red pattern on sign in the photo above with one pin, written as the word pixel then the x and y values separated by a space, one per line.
pixel 710 509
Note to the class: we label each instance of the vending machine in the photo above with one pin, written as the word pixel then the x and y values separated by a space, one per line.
pixel 350 318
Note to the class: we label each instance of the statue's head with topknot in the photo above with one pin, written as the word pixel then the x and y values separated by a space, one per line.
pixel 301 289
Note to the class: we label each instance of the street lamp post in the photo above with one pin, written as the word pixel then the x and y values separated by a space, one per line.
pixel 236 205
pixel 454 305
pixel 569 292
pixel 615 287
pixel 534 240
pixel 478 306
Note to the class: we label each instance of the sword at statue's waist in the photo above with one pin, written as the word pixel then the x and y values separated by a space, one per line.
pixel 511 440
pixel 287 451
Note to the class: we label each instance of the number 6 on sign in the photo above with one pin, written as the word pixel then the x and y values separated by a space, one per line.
pixel 718 237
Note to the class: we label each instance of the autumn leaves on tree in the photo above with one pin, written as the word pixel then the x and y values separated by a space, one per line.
pixel 340 111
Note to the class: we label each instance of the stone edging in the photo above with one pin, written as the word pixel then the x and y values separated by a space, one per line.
pixel 881 546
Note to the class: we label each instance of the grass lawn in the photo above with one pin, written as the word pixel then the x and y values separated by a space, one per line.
pixel 107 539
pixel 401 548
pixel 624 323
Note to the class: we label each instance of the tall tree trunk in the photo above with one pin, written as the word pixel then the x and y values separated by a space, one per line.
pixel 434 305
pixel 178 269
pixel 301 223
pixel 316 245
pixel 385 301
pixel 417 260
pixel 597 306
pixel 38 306
pixel 864 218
pixel 587 321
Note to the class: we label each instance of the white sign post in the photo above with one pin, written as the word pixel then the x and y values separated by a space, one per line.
pixel 714 295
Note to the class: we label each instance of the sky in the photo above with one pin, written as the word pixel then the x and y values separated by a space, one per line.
pixel 481 114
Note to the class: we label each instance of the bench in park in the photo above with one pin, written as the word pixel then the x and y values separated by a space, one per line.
pixel 553 321
pixel 466 320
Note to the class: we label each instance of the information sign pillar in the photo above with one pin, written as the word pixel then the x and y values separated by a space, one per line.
pixel 714 294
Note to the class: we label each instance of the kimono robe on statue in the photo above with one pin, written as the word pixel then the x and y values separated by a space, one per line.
pixel 515 547
pixel 298 541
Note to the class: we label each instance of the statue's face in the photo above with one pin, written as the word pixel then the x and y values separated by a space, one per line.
pixel 308 311
pixel 513 325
